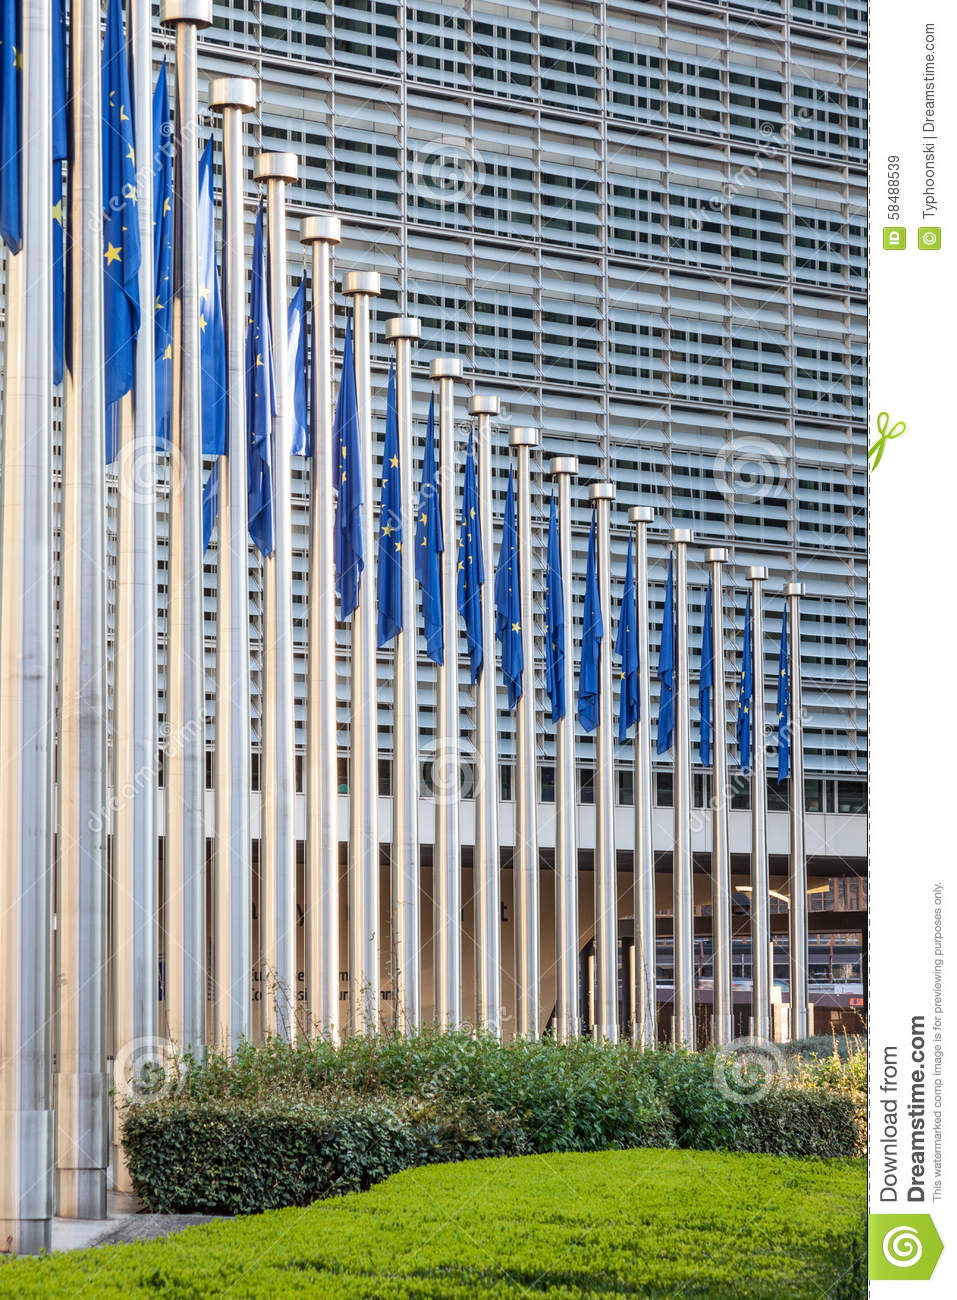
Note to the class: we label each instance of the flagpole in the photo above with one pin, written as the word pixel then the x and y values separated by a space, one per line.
pixel 723 999
pixel 682 867
pixel 361 286
pixel 27 674
pixel 278 926
pixel 606 866
pixel 135 859
pixel 567 1018
pixel 322 233
pixel 406 917
pixel 232 849
pixel 185 662
pixel 760 898
pixel 797 928
pixel 447 854
pixel 81 1080
pixel 528 958
pixel 645 1020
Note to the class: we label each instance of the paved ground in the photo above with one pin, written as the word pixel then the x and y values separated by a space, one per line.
pixel 121 1225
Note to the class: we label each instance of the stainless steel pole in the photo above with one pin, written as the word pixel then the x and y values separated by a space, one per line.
pixel 486 871
pixel 279 729
pixel 322 233
pixel 797 928
pixel 135 859
pixel 185 656
pixel 606 864
pixel 406 917
pixel 760 897
pixel 722 1028
pixel 645 1020
pixel 528 957
pixel 567 994
pixel 232 850
pixel 361 286
pixel 683 877
pixel 446 858
pixel 27 676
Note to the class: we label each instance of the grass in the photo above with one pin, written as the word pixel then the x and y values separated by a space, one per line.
pixel 643 1222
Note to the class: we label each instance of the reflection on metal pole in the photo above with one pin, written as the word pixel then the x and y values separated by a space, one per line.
pixel 645 1019
pixel 722 1027
pixel 797 936
pixel 760 897
pixel 684 1024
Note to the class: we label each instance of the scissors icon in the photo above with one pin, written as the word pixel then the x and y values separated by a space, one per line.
pixel 887 432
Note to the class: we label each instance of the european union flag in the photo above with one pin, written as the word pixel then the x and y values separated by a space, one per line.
pixel 593 630
pixel 59 155
pixel 626 647
pixel 210 503
pixel 471 568
pixel 11 95
pixel 121 232
pixel 784 703
pixel 301 442
pixel 508 613
pixel 746 693
pixel 706 680
pixel 554 621
pixel 666 669
pixel 389 568
pixel 347 532
pixel 212 337
pixel 162 257
pixel 429 545
pixel 260 402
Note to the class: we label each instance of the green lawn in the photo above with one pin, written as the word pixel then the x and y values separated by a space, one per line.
pixel 642 1222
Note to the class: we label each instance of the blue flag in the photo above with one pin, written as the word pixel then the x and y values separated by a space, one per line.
pixel 626 647
pixel 746 693
pixel 260 402
pixel 508 613
pixel 162 257
pixel 301 442
pixel 345 438
pixel 554 621
pixel 210 503
pixel 471 567
pixel 666 669
pixel 59 155
pixel 706 680
pixel 389 568
pixel 593 631
pixel 212 337
pixel 429 545
pixel 121 231
pixel 11 95
pixel 784 703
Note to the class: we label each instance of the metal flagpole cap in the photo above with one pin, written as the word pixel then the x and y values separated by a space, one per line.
pixel 233 92
pixel 641 515
pixel 197 12
pixel 276 167
pixel 523 436
pixel 795 589
pixel 716 555
pixel 563 465
pixel 362 282
pixel 601 492
pixel 757 573
pixel 445 368
pixel 682 535
pixel 324 228
pixel 403 327
pixel 484 405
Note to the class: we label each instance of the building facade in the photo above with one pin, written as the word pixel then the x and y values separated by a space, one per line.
pixel 641 226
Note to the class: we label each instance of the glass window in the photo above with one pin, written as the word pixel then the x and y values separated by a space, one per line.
pixel 547 783
pixel 385 776
pixel 626 787
pixel 814 795
pixel 664 790
pixel 586 785
pixel 505 778
pixel 342 773
pixel 852 796
pixel 739 785
pixel 777 796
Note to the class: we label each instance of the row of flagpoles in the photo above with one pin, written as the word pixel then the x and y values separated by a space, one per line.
pixel 205 375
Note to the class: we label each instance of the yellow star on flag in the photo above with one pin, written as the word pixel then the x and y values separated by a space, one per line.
pixel 112 254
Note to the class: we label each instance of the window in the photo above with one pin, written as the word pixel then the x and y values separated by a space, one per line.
pixel 814 795
pixel 664 790
pixel 342 773
pixel 506 774
pixel 739 786
pixel 626 787
pixel 385 776
pixel 852 796
pixel 546 783
pixel 777 796
pixel 586 785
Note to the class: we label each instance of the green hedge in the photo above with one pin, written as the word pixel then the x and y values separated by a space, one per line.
pixel 645 1223
pixel 289 1124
